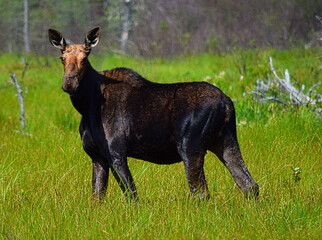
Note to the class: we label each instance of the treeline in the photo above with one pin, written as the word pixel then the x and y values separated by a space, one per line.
pixel 162 27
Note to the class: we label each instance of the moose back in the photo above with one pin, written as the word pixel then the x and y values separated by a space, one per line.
pixel 125 115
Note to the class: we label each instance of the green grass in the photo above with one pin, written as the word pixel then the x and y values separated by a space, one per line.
pixel 45 177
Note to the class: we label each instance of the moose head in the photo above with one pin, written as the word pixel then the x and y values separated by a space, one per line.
pixel 74 57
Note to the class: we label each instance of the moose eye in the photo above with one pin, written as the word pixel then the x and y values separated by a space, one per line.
pixel 62 59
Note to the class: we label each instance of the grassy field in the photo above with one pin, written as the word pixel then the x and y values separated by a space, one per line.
pixel 45 177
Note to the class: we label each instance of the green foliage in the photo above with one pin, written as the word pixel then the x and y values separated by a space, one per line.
pixel 45 176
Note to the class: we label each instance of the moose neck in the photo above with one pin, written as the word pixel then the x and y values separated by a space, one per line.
pixel 88 94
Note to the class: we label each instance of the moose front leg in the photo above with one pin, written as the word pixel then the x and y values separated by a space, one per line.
pixel 99 179
pixel 124 178
pixel 100 163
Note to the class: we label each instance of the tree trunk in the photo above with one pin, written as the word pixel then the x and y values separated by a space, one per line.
pixel 26 26
pixel 20 99
pixel 126 24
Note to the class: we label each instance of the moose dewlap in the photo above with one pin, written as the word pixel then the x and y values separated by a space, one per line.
pixel 125 115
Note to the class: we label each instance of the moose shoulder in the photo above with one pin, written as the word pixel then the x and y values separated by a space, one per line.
pixel 125 115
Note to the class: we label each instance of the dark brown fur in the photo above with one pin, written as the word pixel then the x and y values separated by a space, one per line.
pixel 125 115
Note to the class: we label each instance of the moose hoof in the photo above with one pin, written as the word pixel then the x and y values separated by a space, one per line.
pixel 252 192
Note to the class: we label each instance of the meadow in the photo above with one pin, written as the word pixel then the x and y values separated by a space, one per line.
pixel 45 176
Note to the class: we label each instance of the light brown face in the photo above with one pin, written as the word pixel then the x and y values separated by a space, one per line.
pixel 74 59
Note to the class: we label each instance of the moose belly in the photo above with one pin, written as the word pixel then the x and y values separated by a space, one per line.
pixel 165 152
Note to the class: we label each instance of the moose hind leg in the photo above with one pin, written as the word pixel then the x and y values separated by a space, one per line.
pixel 227 150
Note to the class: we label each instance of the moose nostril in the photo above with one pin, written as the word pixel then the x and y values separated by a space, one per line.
pixel 75 76
pixel 70 77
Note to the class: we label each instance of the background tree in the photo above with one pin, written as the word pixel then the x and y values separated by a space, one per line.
pixel 162 27
pixel 126 24
pixel 26 25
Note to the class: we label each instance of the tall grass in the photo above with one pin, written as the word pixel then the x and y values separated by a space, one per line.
pixel 45 177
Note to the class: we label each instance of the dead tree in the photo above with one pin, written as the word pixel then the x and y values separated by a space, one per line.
pixel 20 99
pixel 285 92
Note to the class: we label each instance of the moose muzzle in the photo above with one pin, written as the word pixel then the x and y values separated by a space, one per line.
pixel 70 83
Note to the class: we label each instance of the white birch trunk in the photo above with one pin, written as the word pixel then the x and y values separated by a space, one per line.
pixel 26 26
pixel 126 25
pixel 21 103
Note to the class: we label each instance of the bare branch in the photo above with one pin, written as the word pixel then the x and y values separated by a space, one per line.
pixel 283 91
pixel 273 99
pixel 314 86
pixel 318 18
pixel 295 95
pixel 25 68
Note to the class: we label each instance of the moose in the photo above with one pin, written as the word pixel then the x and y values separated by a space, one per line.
pixel 125 115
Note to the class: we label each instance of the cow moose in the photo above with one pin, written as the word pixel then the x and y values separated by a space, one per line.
pixel 125 115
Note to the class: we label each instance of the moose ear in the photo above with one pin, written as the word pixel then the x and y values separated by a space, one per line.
pixel 56 39
pixel 92 38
